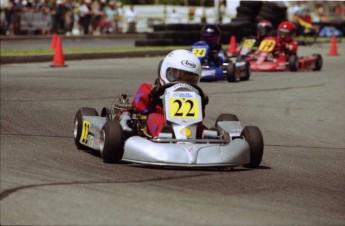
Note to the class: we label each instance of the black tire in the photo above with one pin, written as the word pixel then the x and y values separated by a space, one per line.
pixel 105 112
pixel 226 117
pixel 247 72
pixel 318 62
pixel 293 63
pixel 112 142
pixel 253 136
pixel 78 124
pixel 231 73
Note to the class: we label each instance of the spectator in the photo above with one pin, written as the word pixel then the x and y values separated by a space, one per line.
pixel 119 18
pixel 97 9
pixel 69 17
pixel 7 12
pixel 339 11
pixel 173 18
pixel 108 22
pixel 27 19
pixel 86 16
pixel 60 16
pixel 131 16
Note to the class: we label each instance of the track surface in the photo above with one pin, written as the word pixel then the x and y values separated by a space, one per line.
pixel 45 180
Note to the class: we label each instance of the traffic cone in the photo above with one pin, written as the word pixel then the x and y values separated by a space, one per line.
pixel 232 46
pixel 333 48
pixel 54 41
pixel 58 60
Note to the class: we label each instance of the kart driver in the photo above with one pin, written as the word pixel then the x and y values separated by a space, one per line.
pixel 286 44
pixel 263 29
pixel 211 34
pixel 173 69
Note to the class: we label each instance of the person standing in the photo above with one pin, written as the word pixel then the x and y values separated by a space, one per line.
pixel 131 16
pixel 86 15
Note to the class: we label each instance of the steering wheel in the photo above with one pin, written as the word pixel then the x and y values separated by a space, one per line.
pixel 161 90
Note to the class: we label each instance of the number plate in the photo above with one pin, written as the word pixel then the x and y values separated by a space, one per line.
pixel 199 52
pixel 184 108
pixel 85 132
pixel 267 45
pixel 248 43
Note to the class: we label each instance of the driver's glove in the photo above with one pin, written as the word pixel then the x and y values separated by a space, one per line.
pixel 154 94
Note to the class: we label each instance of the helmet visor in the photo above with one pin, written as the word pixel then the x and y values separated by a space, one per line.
pixel 263 30
pixel 210 38
pixel 175 75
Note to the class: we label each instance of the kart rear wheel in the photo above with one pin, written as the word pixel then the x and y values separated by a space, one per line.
pixel 253 136
pixel 293 63
pixel 247 72
pixel 318 62
pixel 111 142
pixel 226 117
pixel 231 74
pixel 78 124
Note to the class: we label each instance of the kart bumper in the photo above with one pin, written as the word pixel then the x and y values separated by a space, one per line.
pixel 141 150
pixel 267 66
pixel 212 74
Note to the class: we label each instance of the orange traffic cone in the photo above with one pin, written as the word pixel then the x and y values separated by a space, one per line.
pixel 58 60
pixel 232 46
pixel 333 48
pixel 54 41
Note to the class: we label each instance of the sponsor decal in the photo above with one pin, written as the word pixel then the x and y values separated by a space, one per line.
pixel 191 148
pixel 183 95
pixel 188 63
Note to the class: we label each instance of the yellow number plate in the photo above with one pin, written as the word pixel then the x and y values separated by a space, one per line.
pixel 199 52
pixel 267 45
pixel 248 43
pixel 85 132
pixel 184 108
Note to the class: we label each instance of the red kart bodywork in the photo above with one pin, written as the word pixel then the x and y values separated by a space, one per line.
pixel 264 60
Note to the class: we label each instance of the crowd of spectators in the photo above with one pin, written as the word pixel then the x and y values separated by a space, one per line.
pixel 77 17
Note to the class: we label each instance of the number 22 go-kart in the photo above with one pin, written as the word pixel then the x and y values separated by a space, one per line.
pixel 119 134
pixel 265 60
pixel 231 69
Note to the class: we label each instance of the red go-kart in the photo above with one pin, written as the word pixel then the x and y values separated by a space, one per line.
pixel 265 60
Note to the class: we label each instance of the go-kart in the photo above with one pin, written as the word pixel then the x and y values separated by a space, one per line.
pixel 120 133
pixel 230 69
pixel 265 60
pixel 247 48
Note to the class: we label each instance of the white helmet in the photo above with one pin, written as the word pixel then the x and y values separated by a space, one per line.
pixel 180 65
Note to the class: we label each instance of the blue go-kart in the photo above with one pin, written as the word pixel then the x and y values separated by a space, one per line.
pixel 229 69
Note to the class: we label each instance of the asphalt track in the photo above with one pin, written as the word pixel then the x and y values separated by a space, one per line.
pixel 45 180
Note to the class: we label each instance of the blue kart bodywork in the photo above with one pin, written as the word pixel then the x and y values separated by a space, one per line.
pixel 210 71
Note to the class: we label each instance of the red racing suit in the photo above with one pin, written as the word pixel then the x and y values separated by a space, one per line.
pixel 287 47
pixel 155 113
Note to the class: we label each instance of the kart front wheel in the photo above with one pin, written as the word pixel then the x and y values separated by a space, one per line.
pixel 78 124
pixel 293 63
pixel 253 136
pixel 226 117
pixel 111 142
pixel 231 74
pixel 246 72
pixel 318 62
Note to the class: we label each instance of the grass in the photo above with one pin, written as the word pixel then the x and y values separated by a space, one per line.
pixel 48 51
